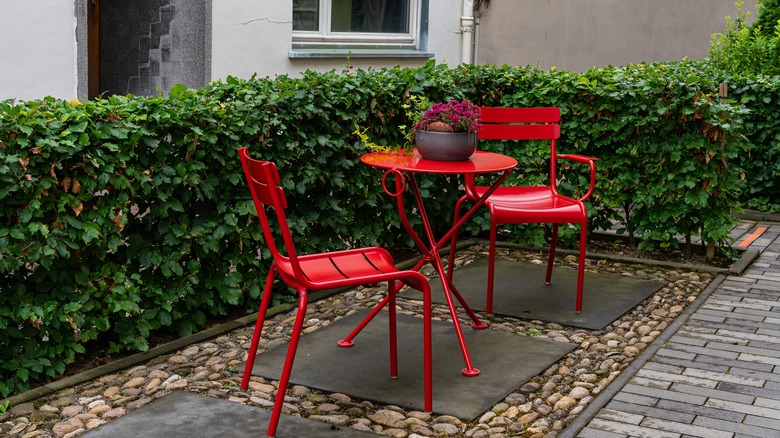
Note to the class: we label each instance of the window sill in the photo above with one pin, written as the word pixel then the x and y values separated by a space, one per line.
pixel 339 52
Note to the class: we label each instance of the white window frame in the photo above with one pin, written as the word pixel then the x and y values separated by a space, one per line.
pixel 324 43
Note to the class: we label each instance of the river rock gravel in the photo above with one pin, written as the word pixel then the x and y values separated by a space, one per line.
pixel 540 408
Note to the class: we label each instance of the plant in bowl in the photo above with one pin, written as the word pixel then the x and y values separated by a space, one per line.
pixel 448 131
pixel 452 116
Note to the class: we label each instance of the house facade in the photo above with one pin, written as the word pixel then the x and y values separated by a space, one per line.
pixel 87 48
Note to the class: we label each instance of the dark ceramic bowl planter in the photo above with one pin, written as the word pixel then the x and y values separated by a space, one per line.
pixel 446 146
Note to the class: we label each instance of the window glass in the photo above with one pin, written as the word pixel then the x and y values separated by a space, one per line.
pixel 370 16
pixel 306 15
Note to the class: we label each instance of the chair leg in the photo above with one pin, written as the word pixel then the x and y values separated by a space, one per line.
pixel 551 256
pixel 427 346
pixel 454 240
pixel 250 360
pixel 491 268
pixel 303 299
pixel 581 266
pixel 393 330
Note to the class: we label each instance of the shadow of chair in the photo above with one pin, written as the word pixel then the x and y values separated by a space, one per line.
pixel 529 204
pixel 331 270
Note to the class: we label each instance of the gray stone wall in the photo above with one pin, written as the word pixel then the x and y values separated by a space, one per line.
pixel 148 46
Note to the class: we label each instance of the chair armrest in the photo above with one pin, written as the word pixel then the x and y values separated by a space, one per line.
pixel 591 162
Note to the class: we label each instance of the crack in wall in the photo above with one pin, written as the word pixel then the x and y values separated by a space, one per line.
pixel 266 19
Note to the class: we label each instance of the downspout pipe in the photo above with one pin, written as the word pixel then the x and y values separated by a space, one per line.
pixel 467 32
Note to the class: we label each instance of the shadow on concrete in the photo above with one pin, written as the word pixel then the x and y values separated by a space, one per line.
pixel 505 360
pixel 519 291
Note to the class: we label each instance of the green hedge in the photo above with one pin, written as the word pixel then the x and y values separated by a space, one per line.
pixel 125 215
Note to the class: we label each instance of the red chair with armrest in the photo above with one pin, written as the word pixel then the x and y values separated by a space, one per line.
pixel 529 204
pixel 337 269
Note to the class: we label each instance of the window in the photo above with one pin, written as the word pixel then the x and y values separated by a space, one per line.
pixel 359 27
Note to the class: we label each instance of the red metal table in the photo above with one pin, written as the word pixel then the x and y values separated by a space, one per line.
pixel 404 166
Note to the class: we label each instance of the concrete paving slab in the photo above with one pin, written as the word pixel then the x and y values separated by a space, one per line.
pixel 519 291
pixel 505 360
pixel 188 415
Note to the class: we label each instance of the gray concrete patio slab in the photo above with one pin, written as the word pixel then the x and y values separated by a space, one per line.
pixel 520 291
pixel 187 415
pixel 506 361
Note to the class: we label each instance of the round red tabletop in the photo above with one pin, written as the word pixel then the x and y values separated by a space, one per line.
pixel 480 162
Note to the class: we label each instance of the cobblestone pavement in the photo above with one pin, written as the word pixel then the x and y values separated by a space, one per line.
pixel 549 405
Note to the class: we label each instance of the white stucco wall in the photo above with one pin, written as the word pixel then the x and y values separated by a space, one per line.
pixel 37 49
pixel 253 37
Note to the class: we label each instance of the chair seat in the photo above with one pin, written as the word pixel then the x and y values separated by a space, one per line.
pixel 538 204
pixel 344 266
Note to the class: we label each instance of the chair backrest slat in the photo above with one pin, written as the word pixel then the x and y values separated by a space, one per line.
pixel 488 131
pixel 519 123
pixel 263 179
pixel 522 124
pixel 519 115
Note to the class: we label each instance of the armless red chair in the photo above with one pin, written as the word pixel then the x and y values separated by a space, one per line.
pixel 337 269
pixel 529 204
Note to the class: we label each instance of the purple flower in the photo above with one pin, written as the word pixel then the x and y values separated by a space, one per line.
pixel 460 116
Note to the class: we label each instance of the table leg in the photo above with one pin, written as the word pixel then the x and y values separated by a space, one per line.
pixel 432 256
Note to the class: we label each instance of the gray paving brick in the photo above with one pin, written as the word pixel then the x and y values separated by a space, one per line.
pixel 712 393
pixel 723 325
pixel 690 429
pixel 737 335
pixel 727 364
pixel 712 337
pixel 701 350
pixel 767 284
pixel 768 376
pixel 662 367
pixel 731 426
pixel 742 289
pixel 733 284
pixel 774 333
pixel 735 389
pixel 677 378
pixel 675 353
pixel 770 348
pixel 635 399
pixel 630 429
pixel 713 306
pixel 763 313
pixel 620 416
pixel 700 316
pixel 741 325
pixel 680 339
pixel 753 300
pixel 744 408
pixel 664 394
pixel 764 422
pixel 589 432
pixel 693 329
pixel 743 304
pixel 722 377
pixel 650 383
pixel 739 280
pixel 731 315
pixel 748 349
pixel 680 417
pixel 672 361
pixel 772 403
pixel 759 359
pixel 699 410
